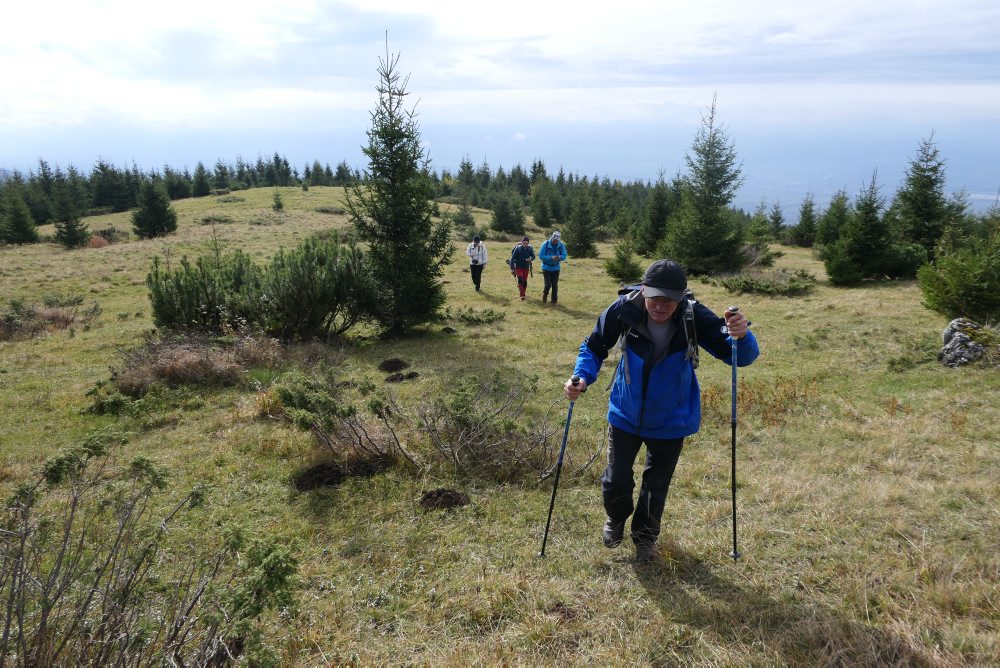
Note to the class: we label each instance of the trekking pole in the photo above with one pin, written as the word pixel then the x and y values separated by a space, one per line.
pixel 735 554
pixel 559 462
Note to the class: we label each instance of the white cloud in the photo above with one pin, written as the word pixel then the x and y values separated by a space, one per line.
pixel 254 65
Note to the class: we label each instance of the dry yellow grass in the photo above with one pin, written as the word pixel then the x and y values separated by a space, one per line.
pixel 869 496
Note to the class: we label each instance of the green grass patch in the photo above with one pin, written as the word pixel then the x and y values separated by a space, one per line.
pixel 867 479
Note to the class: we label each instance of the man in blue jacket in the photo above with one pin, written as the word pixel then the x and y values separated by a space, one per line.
pixel 655 397
pixel 552 252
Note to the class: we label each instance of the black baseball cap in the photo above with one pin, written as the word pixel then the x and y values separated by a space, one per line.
pixel 664 278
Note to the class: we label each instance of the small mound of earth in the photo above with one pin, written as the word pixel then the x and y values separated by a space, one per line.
pixel 443 498
pixel 399 378
pixel 393 364
pixel 326 474
pixel 563 612
pixel 331 474
pixel 449 330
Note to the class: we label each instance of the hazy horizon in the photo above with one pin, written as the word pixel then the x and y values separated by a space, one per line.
pixel 815 101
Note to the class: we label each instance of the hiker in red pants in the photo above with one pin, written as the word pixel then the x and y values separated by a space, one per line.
pixel 520 264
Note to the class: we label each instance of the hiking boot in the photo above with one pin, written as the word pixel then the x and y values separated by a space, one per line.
pixel 645 553
pixel 545 297
pixel 612 533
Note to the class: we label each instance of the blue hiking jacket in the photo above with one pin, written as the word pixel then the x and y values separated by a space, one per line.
pixel 661 400
pixel 551 254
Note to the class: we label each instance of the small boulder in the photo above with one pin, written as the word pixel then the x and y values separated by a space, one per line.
pixel 960 346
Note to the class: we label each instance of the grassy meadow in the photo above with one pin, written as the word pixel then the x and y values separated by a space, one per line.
pixel 869 474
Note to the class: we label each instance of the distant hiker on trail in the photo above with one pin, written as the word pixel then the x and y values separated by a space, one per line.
pixel 477 260
pixel 552 252
pixel 520 264
pixel 655 398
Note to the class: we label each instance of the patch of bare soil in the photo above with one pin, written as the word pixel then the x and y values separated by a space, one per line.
pixel 443 498
pixel 393 364
pixel 332 474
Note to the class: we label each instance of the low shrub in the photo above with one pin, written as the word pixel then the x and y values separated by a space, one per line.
pixel 332 210
pixel 776 283
pixel 20 321
pixel 112 234
pixel 214 294
pixel 354 439
pixel 471 316
pixel 965 281
pixel 98 211
pixel 124 590
pixel 230 199
pixel 216 219
pixel 173 362
pixel 316 291
pixel 477 426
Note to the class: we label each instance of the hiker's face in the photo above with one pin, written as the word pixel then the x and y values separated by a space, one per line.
pixel 524 242
pixel 660 309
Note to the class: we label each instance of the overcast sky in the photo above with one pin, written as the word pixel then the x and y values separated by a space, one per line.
pixel 816 96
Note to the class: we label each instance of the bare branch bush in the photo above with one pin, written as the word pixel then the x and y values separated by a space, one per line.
pixel 352 436
pixel 478 427
pixel 88 576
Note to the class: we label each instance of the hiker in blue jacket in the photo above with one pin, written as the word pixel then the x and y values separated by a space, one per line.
pixel 655 397
pixel 552 252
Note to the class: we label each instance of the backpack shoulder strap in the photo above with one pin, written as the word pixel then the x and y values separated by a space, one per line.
pixel 689 329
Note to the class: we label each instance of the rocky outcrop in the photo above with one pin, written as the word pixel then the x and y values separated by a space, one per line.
pixel 965 341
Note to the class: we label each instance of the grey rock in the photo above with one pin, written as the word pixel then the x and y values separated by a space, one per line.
pixel 959 348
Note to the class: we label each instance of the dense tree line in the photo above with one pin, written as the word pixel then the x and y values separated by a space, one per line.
pixel 688 216
pixel 110 189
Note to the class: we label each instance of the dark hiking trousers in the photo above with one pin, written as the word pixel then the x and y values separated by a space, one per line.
pixel 617 482
pixel 477 274
pixel 551 282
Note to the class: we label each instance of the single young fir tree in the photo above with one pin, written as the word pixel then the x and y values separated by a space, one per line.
pixel 922 207
pixel 805 232
pixel 579 232
pixel 18 227
pixel 508 213
pixel 833 220
pixel 155 216
pixel 201 186
pixel 705 236
pixel 652 226
pixel 624 266
pixel 391 210
pixel 71 232
pixel 863 247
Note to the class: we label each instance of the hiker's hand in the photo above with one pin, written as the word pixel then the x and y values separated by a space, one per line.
pixel 573 391
pixel 737 324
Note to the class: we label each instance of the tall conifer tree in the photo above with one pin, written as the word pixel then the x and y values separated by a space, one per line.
pixel 391 210
pixel 704 235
